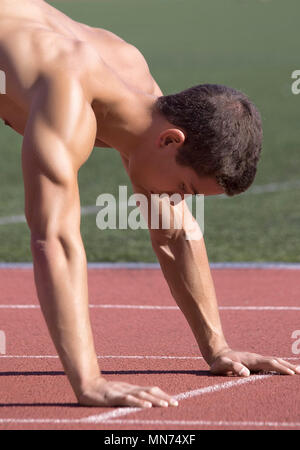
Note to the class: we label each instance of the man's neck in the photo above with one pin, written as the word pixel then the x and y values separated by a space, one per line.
pixel 124 126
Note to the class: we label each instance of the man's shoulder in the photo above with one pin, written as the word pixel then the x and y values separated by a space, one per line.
pixel 26 53
pixel 123 58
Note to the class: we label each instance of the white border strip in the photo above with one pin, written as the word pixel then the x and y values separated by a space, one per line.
pixel 112 357
pixel 220 423
pixel 124 357
pixel 143 265
pixel 167 308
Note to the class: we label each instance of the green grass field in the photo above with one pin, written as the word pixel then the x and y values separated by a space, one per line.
pixel 251 45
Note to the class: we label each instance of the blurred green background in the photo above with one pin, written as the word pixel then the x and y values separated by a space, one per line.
pixel 251 45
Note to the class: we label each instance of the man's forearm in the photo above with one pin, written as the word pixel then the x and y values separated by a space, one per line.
pixel 186 269
pixel 61 280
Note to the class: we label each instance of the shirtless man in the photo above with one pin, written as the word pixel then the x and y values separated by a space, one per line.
pixel 70 87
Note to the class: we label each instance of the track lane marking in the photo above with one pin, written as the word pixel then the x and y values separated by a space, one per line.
pixel 220 423
pixel 122 357
pixel 156 266
pixel 167 308
pixel 105 357
pixel 124 411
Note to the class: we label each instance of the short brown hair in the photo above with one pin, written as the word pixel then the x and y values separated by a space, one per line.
pixel 224 133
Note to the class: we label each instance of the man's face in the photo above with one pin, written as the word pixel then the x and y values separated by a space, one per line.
pixel 183 180
pixel 160 173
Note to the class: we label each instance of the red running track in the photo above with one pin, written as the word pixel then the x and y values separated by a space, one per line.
pixel 140 343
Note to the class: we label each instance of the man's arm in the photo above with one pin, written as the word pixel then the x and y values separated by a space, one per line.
pixel 59 137
pixel 186 268
pixel 51 159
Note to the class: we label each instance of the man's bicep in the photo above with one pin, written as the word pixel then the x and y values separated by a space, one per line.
pixel 51 191
pixel 55 145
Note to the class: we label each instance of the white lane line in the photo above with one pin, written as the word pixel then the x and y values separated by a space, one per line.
pixel 220 387
pixel 255 265
pixel 220 423
pixel 146 307
pixel 124 357
pixel 12 219
pixel 85 211
pixel 156 266
pixel 30 356
pixel 268 188
pixel 107 357
pixel 20 218
pixel 274 187
pixel 20 306
pixel 28 421
pixel 261 308
pixel 168 308
pixel 119 412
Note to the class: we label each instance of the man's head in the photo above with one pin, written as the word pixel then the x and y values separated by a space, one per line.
pixel 222 134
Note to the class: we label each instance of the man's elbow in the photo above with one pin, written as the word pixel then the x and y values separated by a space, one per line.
pixel 44 246
pixel 47 243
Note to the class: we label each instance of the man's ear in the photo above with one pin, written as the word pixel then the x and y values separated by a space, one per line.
pixel 172 136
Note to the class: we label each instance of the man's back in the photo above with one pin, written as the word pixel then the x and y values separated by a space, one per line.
pixel 36 39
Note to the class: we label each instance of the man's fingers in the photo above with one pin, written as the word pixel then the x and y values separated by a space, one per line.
pixel 289 365
pixel 124 394
pixel 157 392
pixel 161 396
pixel 132 400
pixel 240 370
pixel 155 401
pixel 226 366
pixel 147 397
pixel 241 363
pixel 273 364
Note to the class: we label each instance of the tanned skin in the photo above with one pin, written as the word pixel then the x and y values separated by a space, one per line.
pixel 70 88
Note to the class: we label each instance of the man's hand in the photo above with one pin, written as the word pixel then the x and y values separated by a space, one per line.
pixel 101 392
pixel 232 363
